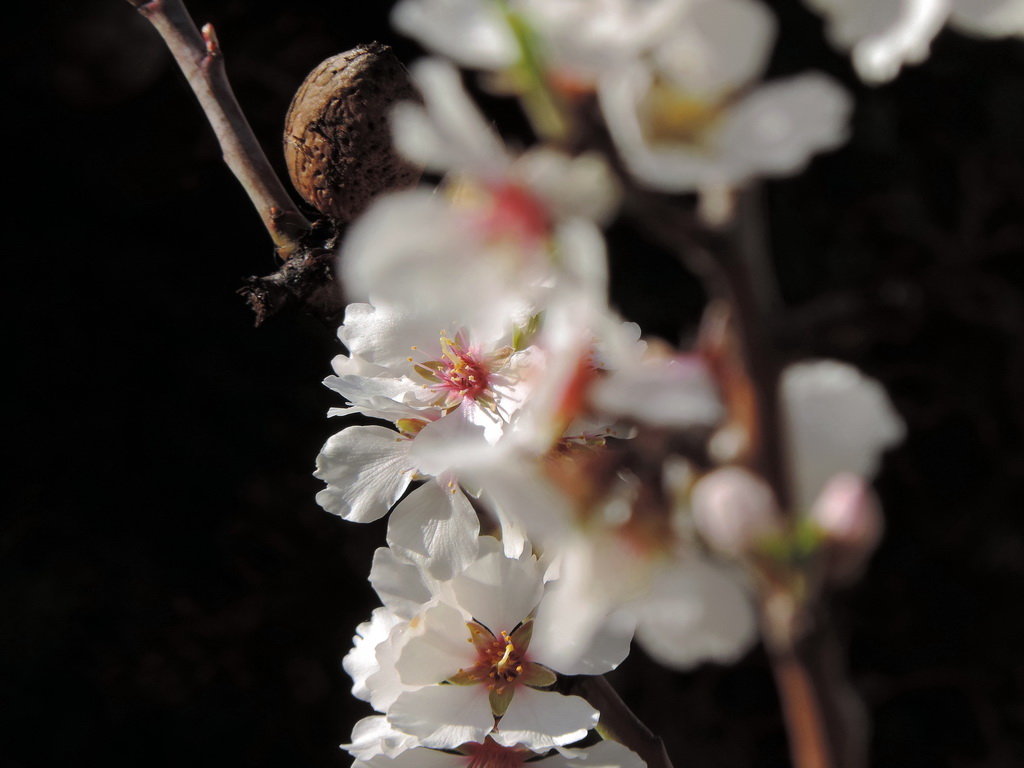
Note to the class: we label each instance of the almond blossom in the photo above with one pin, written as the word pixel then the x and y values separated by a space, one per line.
pixel 883 35
pixel 503 232
pixel 604 754
pixel 691 116
pixel 424 379
pixel 573 40
pixel 473 671
pixel 838 421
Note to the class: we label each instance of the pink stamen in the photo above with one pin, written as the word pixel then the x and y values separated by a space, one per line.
pixel 462 374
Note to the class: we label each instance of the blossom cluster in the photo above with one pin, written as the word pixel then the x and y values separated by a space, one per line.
pixel 558 486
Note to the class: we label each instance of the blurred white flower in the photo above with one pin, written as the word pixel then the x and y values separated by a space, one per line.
pixel 838 421
pixel 988 18
pixel 734 510
pixel 883 35
pixel 447 134
pixel 690 117
pixel 575 40
pixel 665 391
pixel 684 608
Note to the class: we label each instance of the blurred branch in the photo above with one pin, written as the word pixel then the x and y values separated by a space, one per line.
pixel 200 59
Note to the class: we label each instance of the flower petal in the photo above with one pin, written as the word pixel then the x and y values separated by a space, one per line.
pixel 437 647
pixel 435 527
pixel 698 611
pixel 541 719
pixel 444 716
pixel 366 470
pixel 500 592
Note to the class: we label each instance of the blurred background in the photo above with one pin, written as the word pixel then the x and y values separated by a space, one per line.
pixel 172 594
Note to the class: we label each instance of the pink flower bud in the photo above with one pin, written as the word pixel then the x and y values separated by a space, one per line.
pixel 850 520
pixel 734 509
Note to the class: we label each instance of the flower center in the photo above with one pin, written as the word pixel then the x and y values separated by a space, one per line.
pixel 460 374
pixel 500 662
pixel 492 755
pixel 672 117
pixel 516 215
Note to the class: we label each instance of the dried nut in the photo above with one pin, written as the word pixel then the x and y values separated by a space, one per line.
pixel 337 144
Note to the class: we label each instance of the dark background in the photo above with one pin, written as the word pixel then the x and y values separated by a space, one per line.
pixel 173 595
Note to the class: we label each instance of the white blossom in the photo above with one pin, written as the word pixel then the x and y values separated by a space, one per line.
pixel 498 673
pixel 447 134
pixel 735 510
pixel 884 35
pixel 838 421
pixel 604 754
pixel 575 40
pixel 691 117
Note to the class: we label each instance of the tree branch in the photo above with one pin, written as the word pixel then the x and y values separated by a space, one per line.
pixel 618 721
pixel 200 59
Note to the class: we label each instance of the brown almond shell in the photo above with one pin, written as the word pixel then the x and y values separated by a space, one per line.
pixel 337 143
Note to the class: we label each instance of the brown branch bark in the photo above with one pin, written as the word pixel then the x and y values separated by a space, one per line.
pixel 201 61
pixel 618 722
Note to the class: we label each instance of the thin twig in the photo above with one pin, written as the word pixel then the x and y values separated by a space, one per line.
pixel 822 713
pixel 200 59
pixel 618 722
pixel 750 290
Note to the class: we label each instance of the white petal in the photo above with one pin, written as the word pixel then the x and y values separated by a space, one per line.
pixel 883 34
pixel 373 737
pixel 604 754
pixel 676 167
pixel 401 585
pixel 437 647
pixel 470 32
pixel 719 47
pixel 671 392
pixel 444 716
pixel 385 685
pixel 385 337
pixel 366 470
pixel 435 526
pixel 361 661
pixel 500 592
pixel 778 128
pixel 839 421
pixel 417 757
pixel 603 649
pixel 451 442
pixel 698 611
pixel 539 719
pixel 989 18
pixel 451 123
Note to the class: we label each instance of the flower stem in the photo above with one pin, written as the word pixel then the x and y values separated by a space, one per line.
pixel 200 59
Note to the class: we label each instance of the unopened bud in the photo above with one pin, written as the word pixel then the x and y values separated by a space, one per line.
pixel 849 518
pixel 734 510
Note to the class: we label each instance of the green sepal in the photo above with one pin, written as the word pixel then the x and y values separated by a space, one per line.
pixel 520 639
pixel 501 697
pixel 536 675
pixel 464 677
pixel 480 636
